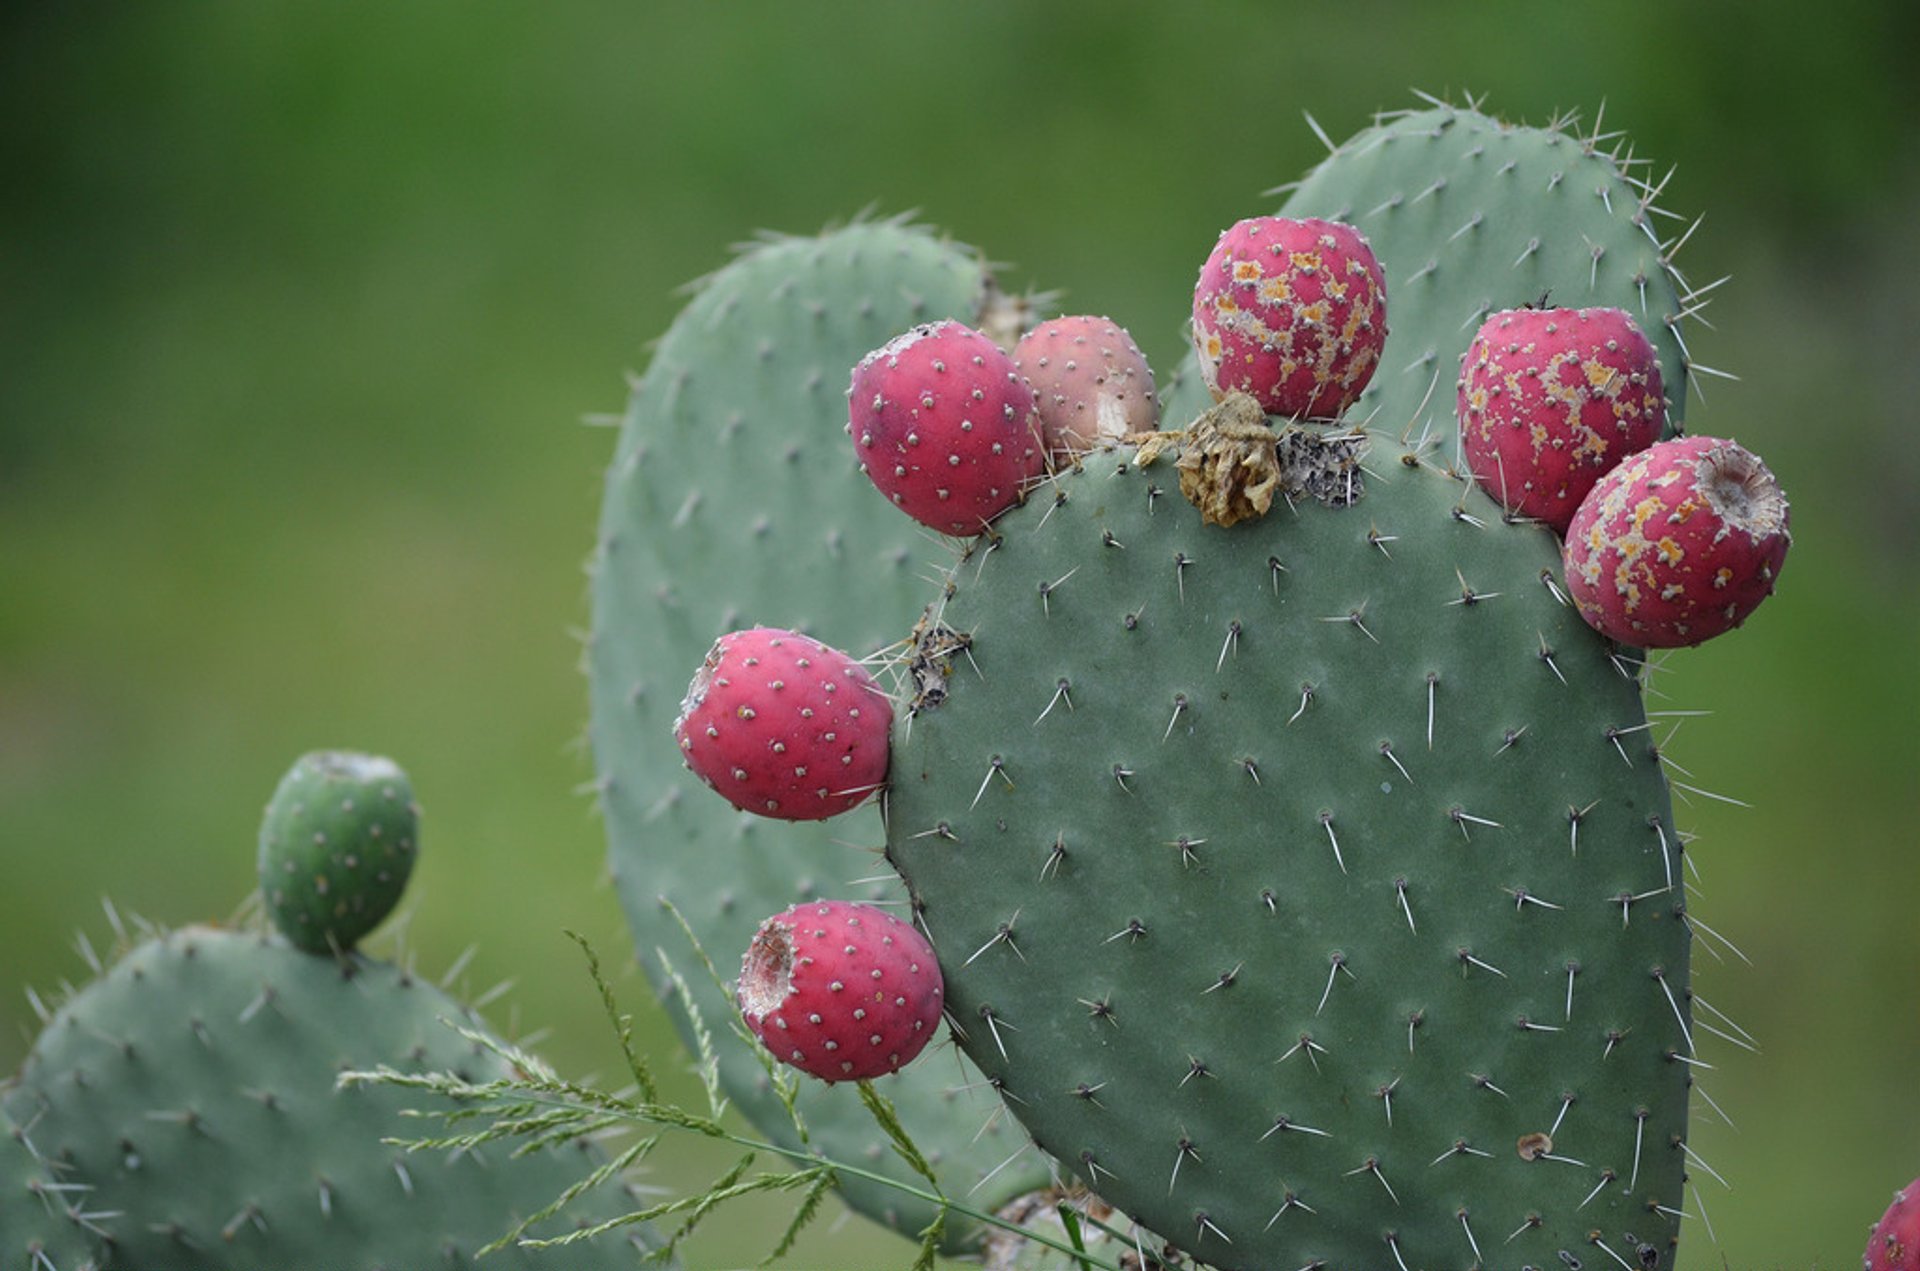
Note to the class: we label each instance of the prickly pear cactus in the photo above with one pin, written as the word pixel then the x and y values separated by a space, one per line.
pixel 1309 886
pixel 189 1097
pixel 734 497
pixel 46 1222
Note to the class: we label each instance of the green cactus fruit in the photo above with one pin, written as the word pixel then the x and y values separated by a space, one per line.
pixel 336 847
pixel 1309 885
pixel 47 1221
pixel 192 1088
pixel 734 498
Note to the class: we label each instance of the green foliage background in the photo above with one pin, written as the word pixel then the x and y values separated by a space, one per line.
pixel 301 306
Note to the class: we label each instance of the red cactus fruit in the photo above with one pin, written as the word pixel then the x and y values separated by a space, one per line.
pixel 945 426
pixel 1894 1244
pixel 1293 312
pixel 1091 382
pixel 785 726
pixel 1550 400
pixel 840 991
pixel 1677 544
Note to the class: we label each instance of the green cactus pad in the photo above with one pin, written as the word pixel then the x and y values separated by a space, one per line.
pixel 192 1087
pixel 1299 881
pixel 734 499
pixel 336 847
pixel 47 1220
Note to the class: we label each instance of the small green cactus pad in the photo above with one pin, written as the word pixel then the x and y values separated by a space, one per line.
pixel 193 1089
pixel 1310 886
pixel 734 499
pixel 336 847
pixel 47 1221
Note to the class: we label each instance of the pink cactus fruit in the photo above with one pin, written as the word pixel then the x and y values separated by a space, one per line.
pixel 944 426
pixel 1293 312
pixel 785 726
pixel 1551 399
pixel 1091 382
pixel 1894 1244
pixel 1677 544
pixel 841 991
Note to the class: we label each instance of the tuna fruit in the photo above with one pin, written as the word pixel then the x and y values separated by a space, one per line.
pixel 785 726
pixel 1091 383
pixel 944 426
pixel 1293 312
pixel 337 845
pixel 1552 399
pixel 841 991
pixel 1895 1242
pixel 1677 544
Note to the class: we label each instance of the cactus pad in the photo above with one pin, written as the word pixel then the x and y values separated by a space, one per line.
pixel 1309 885
pixel 46 1219
pixel 192 1088
pixel 734 498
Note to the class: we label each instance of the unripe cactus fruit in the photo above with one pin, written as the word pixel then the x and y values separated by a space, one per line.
pixel 1551 399
pixel 1090 380
pixel 841 991
pixel 1894 1244
pixel 785 726
pixel 1678 544
pixel 336 846
pixel 1293 312
pixel 944 426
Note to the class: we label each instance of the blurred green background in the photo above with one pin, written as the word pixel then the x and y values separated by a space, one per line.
pixel 301 307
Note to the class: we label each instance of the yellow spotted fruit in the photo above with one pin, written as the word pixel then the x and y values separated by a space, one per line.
pixel 1678 544
pixel 1293 312
pixel 1551 399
